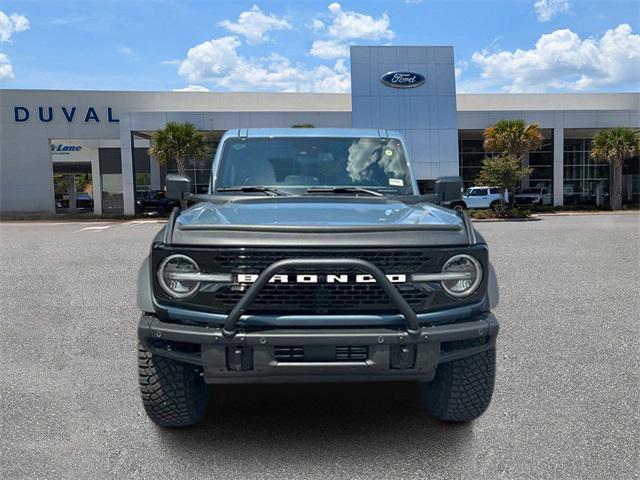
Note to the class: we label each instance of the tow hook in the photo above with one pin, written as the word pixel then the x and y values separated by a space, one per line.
pixel 403 356
pixel 239 358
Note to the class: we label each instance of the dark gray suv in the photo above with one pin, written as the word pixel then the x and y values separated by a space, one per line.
pixel 315 258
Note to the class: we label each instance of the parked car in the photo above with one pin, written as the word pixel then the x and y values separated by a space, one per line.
pixel 154 201
pixel 533 196
pixel 84 200
pixel 313 257
pixel 483 197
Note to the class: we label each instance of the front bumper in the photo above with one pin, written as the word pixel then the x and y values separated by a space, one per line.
pixel 318 354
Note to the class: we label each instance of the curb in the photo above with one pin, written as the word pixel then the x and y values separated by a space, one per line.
pixel 82 220
pixel 577 214
pixel 490 220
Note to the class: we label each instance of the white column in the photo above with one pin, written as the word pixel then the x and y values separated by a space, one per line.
pixel 558 166
pixel 97 183
pixel 126 157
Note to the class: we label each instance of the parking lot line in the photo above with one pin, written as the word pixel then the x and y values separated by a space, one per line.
pixel 95 228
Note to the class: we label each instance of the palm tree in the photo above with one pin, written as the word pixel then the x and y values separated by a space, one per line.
pixel 512 138
pixel 615 145
pixel 178 142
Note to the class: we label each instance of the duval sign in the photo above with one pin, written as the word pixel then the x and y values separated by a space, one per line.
pixel 46 114
pixel 403 79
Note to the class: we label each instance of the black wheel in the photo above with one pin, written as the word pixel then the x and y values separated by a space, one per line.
pixel 173 393
pixel 459 206
pixel 461 390
pixel 494 205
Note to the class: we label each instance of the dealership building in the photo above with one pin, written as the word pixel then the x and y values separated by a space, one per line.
pixel 76 151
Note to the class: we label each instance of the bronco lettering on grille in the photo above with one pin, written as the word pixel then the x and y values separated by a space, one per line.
pixel 315 278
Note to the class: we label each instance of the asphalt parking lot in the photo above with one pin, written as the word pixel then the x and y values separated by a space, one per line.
pixel 566 403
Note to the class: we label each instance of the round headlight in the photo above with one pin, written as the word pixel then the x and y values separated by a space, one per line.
pixel 469 273
pixel 173 276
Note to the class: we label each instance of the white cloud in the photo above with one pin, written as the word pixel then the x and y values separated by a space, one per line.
pixel 347 25
pixel 127 51
pixel 317 25
pixel 6 70
pixel 210 59
pixel 192 88
pixel 217 61
pixel 329 49
pixel 561 60
pixel 547 9
pixel 10 24
pixel 254 25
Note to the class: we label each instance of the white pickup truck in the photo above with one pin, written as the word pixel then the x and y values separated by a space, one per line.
pixel 483 197
pixel 534 196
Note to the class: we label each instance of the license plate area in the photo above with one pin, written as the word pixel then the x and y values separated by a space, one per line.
pixel 320 353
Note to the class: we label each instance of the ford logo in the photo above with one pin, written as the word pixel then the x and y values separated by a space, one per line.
pixel 402 79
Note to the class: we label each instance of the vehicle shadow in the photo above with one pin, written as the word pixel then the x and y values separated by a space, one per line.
pixel 343 422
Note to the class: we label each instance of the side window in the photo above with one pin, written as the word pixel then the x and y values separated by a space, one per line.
pixel 494 191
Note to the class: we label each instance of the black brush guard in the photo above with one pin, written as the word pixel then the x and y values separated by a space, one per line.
pixel 411 319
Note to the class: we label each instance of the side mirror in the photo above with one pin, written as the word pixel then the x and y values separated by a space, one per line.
pixel 445 191
pixel 448 189
pixel 178 187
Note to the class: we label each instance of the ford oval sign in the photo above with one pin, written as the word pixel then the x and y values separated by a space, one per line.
pixel 402 79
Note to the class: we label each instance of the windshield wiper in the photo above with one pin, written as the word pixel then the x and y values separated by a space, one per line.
pixel 274 192
pixel 344 190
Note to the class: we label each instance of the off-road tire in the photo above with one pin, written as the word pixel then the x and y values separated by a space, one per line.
pixel 461 390
pixel 173 393
pixel 459 206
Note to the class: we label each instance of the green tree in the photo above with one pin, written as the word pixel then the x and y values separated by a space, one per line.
pixel 615 145
pixel 504 171
pixel 303 125
pixel 178 142
pixel 512 137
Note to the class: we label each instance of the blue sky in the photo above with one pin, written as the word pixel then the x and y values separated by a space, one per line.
pixel 500 46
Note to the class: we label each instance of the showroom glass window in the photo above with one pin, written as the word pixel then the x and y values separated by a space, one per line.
pixel 541 161
pixel 586 181
pixel 472 154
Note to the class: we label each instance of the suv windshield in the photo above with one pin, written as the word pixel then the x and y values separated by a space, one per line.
pixel 297 164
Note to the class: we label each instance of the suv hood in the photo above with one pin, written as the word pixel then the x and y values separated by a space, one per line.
pixel 318 212
pixel 317 220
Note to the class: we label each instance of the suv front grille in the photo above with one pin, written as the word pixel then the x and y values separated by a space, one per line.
pixel 320 298
pixel 324 299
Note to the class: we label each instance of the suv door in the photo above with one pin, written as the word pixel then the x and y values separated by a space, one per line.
pixel 478 198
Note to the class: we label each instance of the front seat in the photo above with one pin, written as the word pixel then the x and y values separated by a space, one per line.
pixel 255 173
